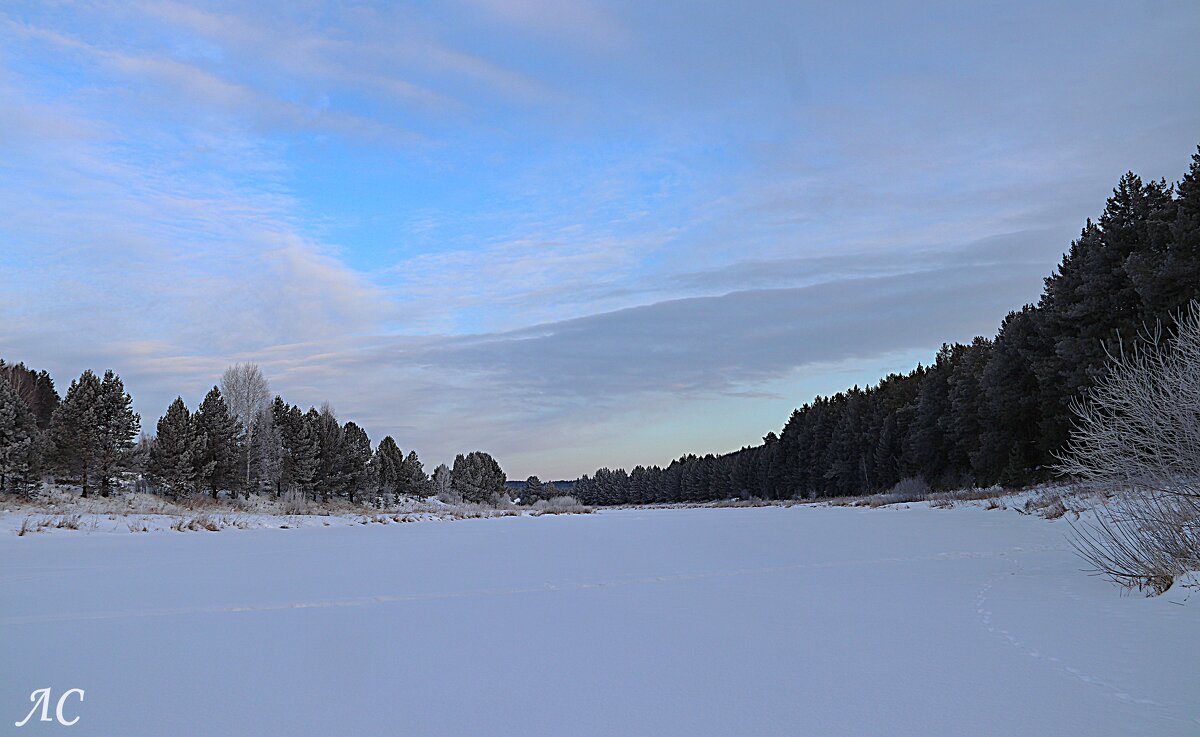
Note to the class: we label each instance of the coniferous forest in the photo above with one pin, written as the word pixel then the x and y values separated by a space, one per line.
pixel 993 411
pixel 238 441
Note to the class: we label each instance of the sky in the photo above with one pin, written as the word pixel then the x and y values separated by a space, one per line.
pixel 572 233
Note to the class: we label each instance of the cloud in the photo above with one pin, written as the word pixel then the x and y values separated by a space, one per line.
pixel 109 249
pixel 194 90
pixel 569 232
pixel 546 391
pixel 717 344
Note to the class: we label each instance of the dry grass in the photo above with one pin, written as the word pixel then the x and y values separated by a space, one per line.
pixel 560 505
pixel 58 522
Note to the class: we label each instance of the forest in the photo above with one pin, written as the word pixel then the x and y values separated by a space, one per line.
pixel 237 441
pixel 995 411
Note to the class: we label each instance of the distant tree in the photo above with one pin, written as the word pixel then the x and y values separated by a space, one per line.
pixel 173 457
pixel 218 465
pixel 248 394
pixel 358 468
pixel 442 480
pixel 93 431
pixel 267 467
pixel 35 388
pixel 1011 413
pixel 413 480
pixel 18 438
pixel 299 454
pixel 75 430
pixel 304 450
pixel 333 467
pixel 117 427
pixel 388 463
pixel 532 491
pixel 477 477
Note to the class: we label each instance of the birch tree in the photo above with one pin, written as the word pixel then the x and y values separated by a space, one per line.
pixel 248 394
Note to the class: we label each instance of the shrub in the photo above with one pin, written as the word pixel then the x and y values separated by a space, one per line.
pixel 1138 434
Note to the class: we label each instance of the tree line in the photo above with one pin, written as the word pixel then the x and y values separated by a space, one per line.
pixel 237 441
pixel 993 411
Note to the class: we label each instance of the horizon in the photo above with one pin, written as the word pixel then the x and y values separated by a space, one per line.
pixel 570 234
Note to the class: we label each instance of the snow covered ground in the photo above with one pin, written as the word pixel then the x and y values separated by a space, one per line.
pixel 759 621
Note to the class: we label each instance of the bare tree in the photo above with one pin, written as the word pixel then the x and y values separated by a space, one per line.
pixel 1137 435
pixel 248 394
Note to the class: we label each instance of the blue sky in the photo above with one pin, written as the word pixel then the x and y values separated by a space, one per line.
pixel 571 233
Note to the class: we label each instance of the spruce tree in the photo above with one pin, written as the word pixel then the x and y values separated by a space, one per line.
pixel 118 426
pixel 173 456
pixel 218 465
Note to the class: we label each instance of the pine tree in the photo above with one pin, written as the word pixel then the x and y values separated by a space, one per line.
pixel 388 465
pixel 218 465
pixel 18 438
pixel 358 467
pixel 332 469
pixel 477 477
pixel 413 480
pixel 533 490
pixel 75 430
pixel 1009 447
pixel 965 421
pixel 304 451
pixel 173 456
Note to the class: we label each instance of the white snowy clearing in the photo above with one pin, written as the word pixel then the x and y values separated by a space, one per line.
pixel 763 621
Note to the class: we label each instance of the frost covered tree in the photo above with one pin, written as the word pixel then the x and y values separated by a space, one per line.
pixel 93 430
pixel 300 455
pixel 218 466
pixel 533 490
pixel 248 394
pixel 304 451
pixel 35 388
pixel 118 427
pixel 388 465
pixel 1137 434
pixel 477 477
pixel 441 482
pixel 173 456
pixel 413 480
pixel 18 438
pixel 267 465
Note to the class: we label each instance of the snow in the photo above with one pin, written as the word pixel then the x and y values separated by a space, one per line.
pixel 756 621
